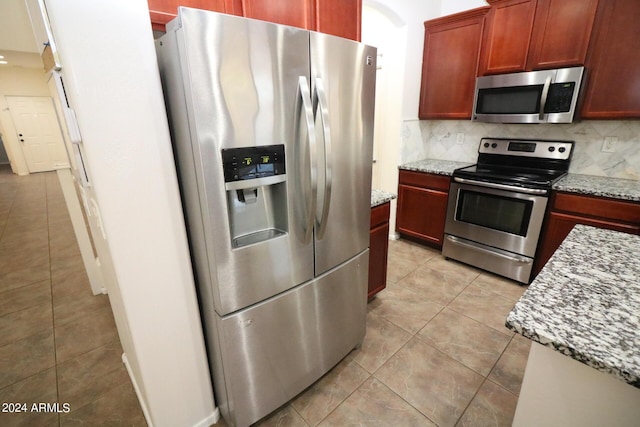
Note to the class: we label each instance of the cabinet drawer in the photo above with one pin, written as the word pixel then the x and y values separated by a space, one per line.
pixel 425 180
pixel 379 215
pixel 598 207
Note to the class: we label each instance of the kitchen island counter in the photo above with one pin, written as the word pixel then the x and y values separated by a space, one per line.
pixel 584 305
pixel 603 186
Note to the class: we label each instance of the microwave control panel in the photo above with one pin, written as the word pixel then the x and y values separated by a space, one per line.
pixel 560 97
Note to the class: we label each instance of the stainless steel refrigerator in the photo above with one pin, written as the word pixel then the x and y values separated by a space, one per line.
pixel 273 130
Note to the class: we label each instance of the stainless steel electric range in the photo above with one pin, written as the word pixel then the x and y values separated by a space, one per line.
pixel 496 207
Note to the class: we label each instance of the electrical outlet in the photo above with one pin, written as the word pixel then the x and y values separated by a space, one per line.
pixel 460 138
pixel 609 144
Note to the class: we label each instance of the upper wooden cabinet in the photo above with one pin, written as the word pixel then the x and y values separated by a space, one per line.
pixel 507 36
pixel 337 17
pixel 340 18
pixel 613 63
pixel 451 48
pixel 536 34
pixel 163 11
pixel 297 13
pixel 561 33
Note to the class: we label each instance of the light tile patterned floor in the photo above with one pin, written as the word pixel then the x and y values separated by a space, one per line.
pixel 58 342
pixel 436 351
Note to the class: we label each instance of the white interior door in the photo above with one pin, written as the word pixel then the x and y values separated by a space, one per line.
pixel 38 132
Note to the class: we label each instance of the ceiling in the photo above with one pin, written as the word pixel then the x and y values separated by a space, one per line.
pixel 17 42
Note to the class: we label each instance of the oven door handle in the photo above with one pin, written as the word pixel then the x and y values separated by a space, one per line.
pixel 471 245
pixel 501 186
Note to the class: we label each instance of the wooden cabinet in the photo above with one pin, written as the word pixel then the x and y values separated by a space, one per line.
pixel 536 34
pixel 297 13
pixel 422 206
pixel 613 63
pixel 378 249
pixel 341 18
pixel 451 48
pixel 506 39
pixel 163 11
pixel 561 33
pixel 569 209
pixel 337 17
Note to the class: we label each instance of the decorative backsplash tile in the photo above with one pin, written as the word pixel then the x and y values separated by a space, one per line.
pixel 459 139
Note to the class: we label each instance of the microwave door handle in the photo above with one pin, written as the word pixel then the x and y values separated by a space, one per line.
pixel 543 98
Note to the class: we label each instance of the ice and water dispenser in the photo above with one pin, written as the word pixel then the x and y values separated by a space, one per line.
pixel 255 181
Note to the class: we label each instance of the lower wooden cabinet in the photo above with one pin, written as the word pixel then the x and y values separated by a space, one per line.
pixel 569 209
pixel 378 249
pixel 422 206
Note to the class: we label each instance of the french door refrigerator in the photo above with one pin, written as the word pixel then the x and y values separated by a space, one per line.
pixel 273 130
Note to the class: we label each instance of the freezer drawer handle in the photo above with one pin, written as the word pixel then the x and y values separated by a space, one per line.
pixel 322 113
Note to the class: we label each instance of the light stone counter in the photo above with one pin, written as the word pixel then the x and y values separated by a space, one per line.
pixel 439 167
pixel 616 188
pixel 379 197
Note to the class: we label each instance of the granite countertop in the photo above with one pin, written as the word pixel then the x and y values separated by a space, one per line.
pixel 617 188
pixel 585 303
pixel 378 197
pixel 439 167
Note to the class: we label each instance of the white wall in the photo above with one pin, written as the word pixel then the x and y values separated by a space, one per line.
pixel 449 7
pixel 111 77
pixel 413 14
pixel 16 81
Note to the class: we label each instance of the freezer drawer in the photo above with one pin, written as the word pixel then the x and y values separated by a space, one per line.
pixel 272 351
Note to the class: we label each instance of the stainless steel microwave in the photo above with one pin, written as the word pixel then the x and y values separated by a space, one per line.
pixel 547 96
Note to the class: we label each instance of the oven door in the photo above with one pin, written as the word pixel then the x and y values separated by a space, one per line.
pixel 502 219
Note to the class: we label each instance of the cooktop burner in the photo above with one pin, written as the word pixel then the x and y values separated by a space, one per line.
pixel 524 163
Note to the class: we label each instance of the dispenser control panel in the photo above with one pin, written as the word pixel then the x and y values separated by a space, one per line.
pixel 253 162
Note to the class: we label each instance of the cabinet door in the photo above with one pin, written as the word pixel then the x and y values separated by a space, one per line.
pixel 339 18
pixel 163 11
pixel 561 33
pixel 378 249
pixel 297 13
pixel 422 213
pixel 507 36
pixel 450 59
pixel 614 62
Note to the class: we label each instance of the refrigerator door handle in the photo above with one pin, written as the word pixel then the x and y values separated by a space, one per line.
pixel 306 180
pixel 323 113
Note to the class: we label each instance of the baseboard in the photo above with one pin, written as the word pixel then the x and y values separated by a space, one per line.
pixel 211 419
pixel 143 404
pixel 208 421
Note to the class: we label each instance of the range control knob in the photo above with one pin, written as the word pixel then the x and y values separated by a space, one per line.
pixel 494 145
pixel 552 149
pixel 486 145
pixel 562 149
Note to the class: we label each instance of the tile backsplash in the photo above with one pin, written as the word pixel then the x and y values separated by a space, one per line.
pixel 459 139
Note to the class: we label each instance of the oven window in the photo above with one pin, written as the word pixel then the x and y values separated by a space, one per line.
pixel 496 212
